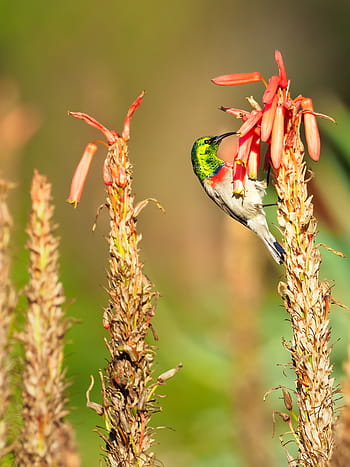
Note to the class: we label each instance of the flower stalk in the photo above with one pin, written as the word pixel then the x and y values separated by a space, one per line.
pixel 128 388
pixel 46 440
pixel 306 297
pixel 7 305
pixel 128 402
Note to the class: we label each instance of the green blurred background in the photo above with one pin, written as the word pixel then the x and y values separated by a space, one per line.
pixel 96 57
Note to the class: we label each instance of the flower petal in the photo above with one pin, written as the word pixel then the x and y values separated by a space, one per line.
pixel 80 174
pixel 237 78
pixel 132 108
pixel 110 135
pixel 250 122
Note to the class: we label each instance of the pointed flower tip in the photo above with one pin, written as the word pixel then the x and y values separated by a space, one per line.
pixel 237 78
pixel 135 105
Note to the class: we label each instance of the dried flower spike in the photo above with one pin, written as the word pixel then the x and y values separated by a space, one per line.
pixel 127 384
pixel 45 439
pixel 8 301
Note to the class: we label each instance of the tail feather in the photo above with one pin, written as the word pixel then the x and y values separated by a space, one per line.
pixel 276 250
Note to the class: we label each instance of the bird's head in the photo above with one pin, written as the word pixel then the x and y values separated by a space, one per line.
pixel 204 155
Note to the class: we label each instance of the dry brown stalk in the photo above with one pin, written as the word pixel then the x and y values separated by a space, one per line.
pixel 128 388
pixel 341 454
pixel 306 299
pixel 128 382
pixel 7 305
pixel 46 440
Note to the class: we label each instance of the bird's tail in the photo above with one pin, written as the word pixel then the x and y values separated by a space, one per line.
pixel 276 250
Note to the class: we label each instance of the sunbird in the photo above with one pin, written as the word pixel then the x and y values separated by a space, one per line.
pixel 215 176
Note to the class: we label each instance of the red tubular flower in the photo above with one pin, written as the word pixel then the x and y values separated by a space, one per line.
pixel 112 136
pixel 254 157
pixel 251 121
pixel 271 90
pixel 237 78
pixel 132 108
pixel 312 134
pixel 244 143
pixel 282 70
pixel 239 176
pixel 238 113
pixel 277 137
pixel 80 174
pixel 268 119
pixel 272 124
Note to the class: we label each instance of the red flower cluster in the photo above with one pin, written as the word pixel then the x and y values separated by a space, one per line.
pixel 112 136
pixel 268 124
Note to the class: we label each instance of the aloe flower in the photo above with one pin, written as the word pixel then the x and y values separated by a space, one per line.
pixel 268 124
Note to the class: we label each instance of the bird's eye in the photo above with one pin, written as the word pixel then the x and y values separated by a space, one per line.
pixel 206 141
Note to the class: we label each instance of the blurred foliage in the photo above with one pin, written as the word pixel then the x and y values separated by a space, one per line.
pixel 96 57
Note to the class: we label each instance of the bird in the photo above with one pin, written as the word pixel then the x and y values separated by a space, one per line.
pixel 215 176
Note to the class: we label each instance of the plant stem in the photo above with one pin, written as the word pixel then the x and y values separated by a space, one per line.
pixel 306 300
pixel 127 405
pixel 46 440
pixel 7 304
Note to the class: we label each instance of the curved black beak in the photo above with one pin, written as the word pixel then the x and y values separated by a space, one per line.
pixel 218 139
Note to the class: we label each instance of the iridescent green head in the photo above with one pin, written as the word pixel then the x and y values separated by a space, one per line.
pixel 205 161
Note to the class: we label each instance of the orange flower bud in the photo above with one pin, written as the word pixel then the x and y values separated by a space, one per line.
pixel 268 119
pixel 237 78
pixel 277 137
pixel 80 174
pixel 312 134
